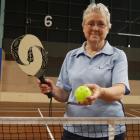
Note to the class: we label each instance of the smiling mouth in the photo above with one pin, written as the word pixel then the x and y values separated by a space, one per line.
pixel 94 36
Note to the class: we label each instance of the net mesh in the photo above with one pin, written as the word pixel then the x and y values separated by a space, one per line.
pixel 51 128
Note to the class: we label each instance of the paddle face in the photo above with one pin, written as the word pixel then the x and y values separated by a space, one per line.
pixel 30 55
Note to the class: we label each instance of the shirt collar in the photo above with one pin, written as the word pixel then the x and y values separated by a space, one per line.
pixel 81 49
pixel 107 49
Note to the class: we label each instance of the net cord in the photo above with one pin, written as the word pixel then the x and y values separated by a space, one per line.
pixel 70 120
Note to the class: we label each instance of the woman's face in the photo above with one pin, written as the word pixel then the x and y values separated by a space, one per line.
pixel 95 27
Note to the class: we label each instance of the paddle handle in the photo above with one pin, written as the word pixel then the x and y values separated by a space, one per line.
pixel 49 94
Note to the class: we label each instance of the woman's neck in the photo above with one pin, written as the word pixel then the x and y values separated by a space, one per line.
pixel 92 49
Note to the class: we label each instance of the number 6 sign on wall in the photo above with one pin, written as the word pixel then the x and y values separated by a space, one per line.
pixel 48 21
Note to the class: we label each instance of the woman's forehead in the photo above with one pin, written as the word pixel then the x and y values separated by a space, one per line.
pixel 95 16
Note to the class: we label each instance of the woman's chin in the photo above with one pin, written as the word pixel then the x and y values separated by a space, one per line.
pixel 95 40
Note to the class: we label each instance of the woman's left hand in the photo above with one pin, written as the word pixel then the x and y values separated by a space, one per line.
pixel 96 93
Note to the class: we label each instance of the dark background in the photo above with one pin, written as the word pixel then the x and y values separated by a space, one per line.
pixel 27 16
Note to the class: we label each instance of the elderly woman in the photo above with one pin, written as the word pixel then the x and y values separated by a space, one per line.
pixel 99 66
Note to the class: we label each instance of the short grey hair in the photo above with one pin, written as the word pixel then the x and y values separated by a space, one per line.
pixel 93 7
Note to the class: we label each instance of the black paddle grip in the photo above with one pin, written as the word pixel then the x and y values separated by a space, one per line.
pixel 42 80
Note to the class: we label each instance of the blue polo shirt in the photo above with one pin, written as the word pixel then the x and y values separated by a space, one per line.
pixel 109 66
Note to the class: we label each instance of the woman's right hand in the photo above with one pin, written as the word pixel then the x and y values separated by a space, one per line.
pixel 46 87
pixel 49 87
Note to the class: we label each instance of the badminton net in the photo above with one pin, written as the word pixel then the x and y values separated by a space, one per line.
pixel 51 128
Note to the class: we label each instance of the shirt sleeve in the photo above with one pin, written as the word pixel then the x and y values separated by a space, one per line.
pixel 120 71
pixel 63 78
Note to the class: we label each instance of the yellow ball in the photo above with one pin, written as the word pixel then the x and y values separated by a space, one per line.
pixel 81 93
